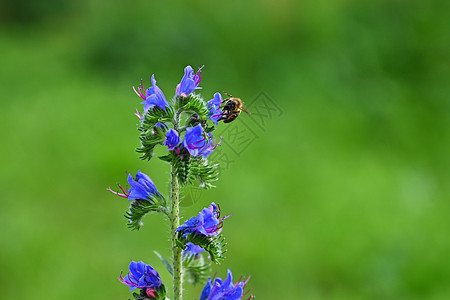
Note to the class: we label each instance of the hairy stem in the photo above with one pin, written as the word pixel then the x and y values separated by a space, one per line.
pixel 175 223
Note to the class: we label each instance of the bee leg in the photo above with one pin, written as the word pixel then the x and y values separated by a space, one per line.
pixel 223 117
pixel 228 94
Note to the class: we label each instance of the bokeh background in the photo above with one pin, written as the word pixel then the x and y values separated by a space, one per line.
pixel 342 195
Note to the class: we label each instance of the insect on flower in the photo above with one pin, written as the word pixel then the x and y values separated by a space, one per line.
pixel 232 109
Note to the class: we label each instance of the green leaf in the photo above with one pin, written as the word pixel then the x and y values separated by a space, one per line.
pixel 139 208
pixel 167 158
pixel 196 269
pixel 193 104
pixel 182 165
pixel 212 244
pixel 165 262
pixel 152 135
pixel 209 129
pixel 205 173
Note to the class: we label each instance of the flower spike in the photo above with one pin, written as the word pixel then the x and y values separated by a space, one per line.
pixel 184 127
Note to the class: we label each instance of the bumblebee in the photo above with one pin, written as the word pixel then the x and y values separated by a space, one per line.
pixel 232 108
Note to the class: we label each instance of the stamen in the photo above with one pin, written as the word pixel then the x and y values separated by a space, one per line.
pixel 221 219
pixel 134 89
pixel 197 227
pixel 140 89
pixel 137 280
pixel 121 277
pixel 245 282
pixel 232 290
pixel 203 140
pixel 198 76
pixel 218 115
pixel 132 282
pixel 124 191
pixel 214 147
pixel 218 210
pixel 137 113
pixel 117 193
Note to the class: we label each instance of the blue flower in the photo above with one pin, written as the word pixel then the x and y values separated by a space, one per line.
pixel 194 139
pixel 141 188
pixel 214 108
pixel 141 276
pixel 206 223
pixel 223 290
pixel 172 139
pixel 196 143
pixel 192 249
pixel 190 81
pixel 209 147
pixel 154 97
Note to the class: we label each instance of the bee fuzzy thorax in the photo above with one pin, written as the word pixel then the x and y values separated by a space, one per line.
pixel 232 108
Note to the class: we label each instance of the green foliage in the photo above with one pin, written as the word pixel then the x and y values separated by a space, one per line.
pixel 182 167
pixel 204 172
pixel 152 135
pixel 194 105
pixel 195 268
pixel 181 164
pixel 165 262
pixel 190 169
pixel 139 208
pixel 212 244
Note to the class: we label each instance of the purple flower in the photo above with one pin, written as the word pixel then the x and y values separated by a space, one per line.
pixel 214 108
pixel 192 250
pixel 209 147
pixel 141 188
pixel 190 81
pixel 194 140
pixel 153 96
pixel 223 290
pixel 141 276
pixel 196 143
pixel 206 223
pixel 172 139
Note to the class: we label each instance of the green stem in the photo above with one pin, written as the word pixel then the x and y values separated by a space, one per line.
pixel 175 223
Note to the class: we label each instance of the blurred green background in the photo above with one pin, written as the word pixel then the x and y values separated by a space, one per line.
pixel 342 196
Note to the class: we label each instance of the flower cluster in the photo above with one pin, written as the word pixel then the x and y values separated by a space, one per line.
pixel 141 188
pixel 196 141
pixel 144 277
pixel 206 223
pixel 223 289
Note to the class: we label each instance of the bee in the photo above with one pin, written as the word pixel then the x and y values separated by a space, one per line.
pixel 232 108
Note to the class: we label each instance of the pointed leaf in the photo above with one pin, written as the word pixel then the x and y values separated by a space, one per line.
pixel 165 262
